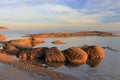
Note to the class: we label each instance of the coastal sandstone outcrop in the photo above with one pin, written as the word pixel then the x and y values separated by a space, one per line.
pixel 74 34
pixel 31 42
pixel 91 55
pixel 39 70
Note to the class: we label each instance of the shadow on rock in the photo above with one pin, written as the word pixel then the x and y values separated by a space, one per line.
pixel 73 64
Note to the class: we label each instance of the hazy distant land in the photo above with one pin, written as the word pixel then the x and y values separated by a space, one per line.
pixel 3 28
pixel 74 34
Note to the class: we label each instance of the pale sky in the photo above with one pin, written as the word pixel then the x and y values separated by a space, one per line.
pixel 29 14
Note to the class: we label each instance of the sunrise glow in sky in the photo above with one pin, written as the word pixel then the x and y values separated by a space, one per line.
pixel 26 14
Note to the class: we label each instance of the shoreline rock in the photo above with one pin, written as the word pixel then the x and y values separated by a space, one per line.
pixel 58 42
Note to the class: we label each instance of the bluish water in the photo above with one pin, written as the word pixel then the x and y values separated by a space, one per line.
pixel 108 69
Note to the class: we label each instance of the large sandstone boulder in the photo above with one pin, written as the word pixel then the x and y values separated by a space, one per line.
pixel 75 55
pixel 94 52
pixel 54 55
pixel 2 37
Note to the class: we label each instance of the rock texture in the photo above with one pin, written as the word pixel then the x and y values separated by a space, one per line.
pixel 75 55
pixel 94 51
pixel 54 55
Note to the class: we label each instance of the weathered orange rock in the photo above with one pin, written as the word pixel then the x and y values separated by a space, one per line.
pixel 54 55
pixel 2 37
pixel 95 51
pixel 58 42
pixel 75 55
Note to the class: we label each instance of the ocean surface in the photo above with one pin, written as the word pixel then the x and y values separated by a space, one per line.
pixel 107 69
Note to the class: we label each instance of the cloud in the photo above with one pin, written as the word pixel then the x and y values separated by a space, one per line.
pixel 54 13
pixel 46 13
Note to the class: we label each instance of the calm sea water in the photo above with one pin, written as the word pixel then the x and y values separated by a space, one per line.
pixel 109 67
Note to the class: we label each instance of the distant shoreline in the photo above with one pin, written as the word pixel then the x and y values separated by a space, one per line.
pixel 4 28
pixel 73 34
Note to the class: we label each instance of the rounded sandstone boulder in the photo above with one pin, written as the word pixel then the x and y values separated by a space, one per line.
pixel 54 55
pixel 95 52
pixel 75 55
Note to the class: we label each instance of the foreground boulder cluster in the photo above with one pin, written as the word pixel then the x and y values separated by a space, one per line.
pixel 23 49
